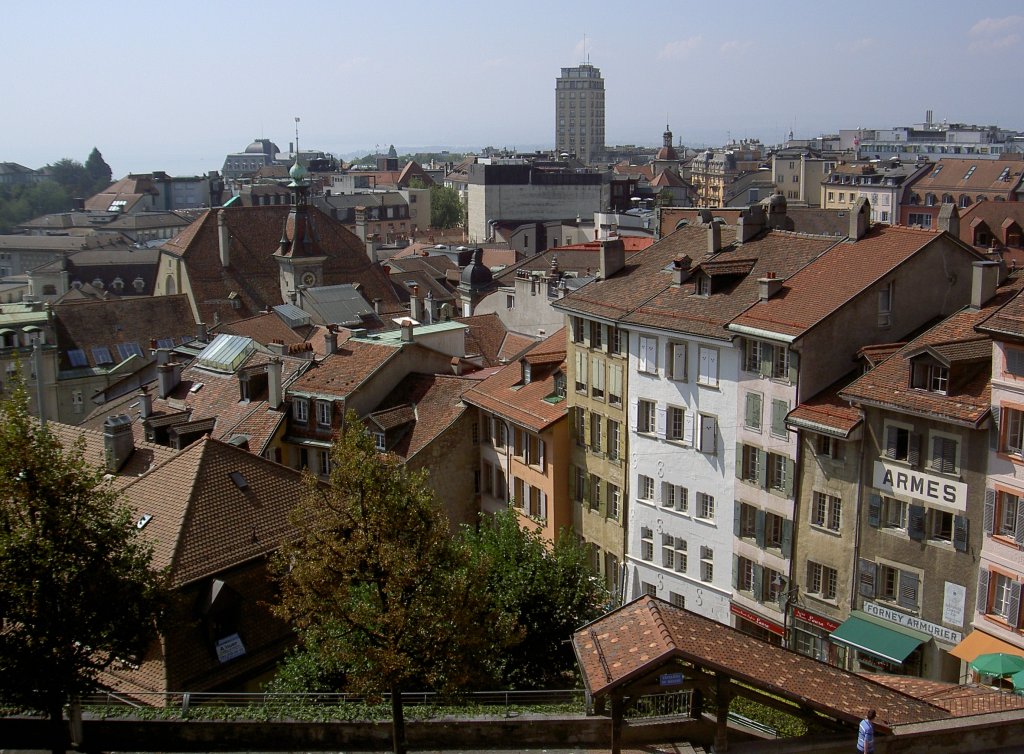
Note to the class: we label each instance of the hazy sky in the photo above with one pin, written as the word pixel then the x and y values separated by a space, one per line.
pixel 175 86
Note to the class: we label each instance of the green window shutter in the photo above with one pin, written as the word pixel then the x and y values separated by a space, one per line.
pixel 739 460
pixel 961 527
pixel 737 509
pixel 762 469
pixel 766 355
pixel 794 363
pixel 867 572
pixel 758 581
pixel 875 510
pixel 914 452
pixel 759 528
pixel 787 538
pixel 916 522
pixel 779 411
pixel 790 477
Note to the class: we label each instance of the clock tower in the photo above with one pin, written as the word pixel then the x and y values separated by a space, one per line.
pixel 300 258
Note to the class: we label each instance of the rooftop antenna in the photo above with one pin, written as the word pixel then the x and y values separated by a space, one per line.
pixel 296 138
pixel 586 55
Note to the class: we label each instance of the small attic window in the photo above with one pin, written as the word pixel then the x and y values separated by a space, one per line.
pixel 380 441
pixel 527 372
pixel 931 377
pixel 239 480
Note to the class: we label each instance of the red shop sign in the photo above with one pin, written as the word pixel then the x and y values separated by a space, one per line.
pixel 757 620
pixel 815 620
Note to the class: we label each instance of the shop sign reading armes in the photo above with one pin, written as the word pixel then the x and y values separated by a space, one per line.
pixel 903 483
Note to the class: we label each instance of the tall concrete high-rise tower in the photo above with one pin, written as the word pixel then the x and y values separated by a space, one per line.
pixel 579 113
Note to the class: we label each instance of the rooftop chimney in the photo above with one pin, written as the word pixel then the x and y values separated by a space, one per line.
pixel 949 219
pixel 277 347
pixel 613 257
pixel 407 336
pixel 860 219
pixel 984 281
pixel 275 392
pixel 415 303
pixel 331 340
pixel 751 222
pixel 376 305
pixel 167 378
pixel 145 403
pixel 118 441
pixel 225 240
pixel 768 286
pixel 202 334
pixel 163 355
pixel 714 238
pixel 681 269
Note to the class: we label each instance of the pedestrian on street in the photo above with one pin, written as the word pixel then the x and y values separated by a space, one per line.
pixel 866 734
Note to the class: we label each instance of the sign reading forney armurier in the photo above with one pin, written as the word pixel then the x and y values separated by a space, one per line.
pixel 943 634
pixel 903 483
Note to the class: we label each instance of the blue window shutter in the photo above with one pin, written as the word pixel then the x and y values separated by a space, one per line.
pixel 989 518
pixel 1013 612
pixel 960 530
pixel 982 591
pixel 915 522
pixel 875 510
pixel 866 571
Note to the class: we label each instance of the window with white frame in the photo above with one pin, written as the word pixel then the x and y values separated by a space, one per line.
pixel 894 513
pixel 898 585
pixel 901 444
pixel 1014 361
pixel 747 525
pixel 645 487
pixel 323 413
pixel 826 511
pixel 1006 514
pixel 618 338
pixel 674 496
pixel 648 354
pixel 930 376
pixel 614 501
pixel 1013 436
pixel 752 355
pixel 676 424
pixel 646 543
pixel 300 410
pixel 676 599
pixel 940 525
pixel 745 574
pixel 645 416
pixel 707 563
pixel 705 505
pixel 325 462
pixel 614 438
pixel 750 464
pixel 577 329
pixel 677 361
pixel 707 366
pixel 773 528
pixel 380 441
pixel 778 472
pixel 596 335
pixel 821 580
pixel 668 551
pixel 828 447
pixel 1002 601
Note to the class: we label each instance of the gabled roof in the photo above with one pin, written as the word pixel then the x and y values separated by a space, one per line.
pixel 635 639
pixel 432 401
pixel 969 396
pixel 266 328
pixel 643 293
pixel 97 328
pixel 1007 321
pixel 204 521
pixel 341 373
pixel 826 412
pixel 953 175
pixel 835 278
pixel 485 336
pixel 145 457
pixel 254 275
pixel 532 405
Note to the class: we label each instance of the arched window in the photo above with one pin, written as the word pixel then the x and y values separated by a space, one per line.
pixel 169 287
pixel 915 200
pixel 929 200
pixel 947 198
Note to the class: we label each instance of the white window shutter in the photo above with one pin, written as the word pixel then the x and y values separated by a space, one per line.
pixel 632 414
pixel 688 428
pixel 660 421
pixel 540 446
pixel 642 355
pixel 679 361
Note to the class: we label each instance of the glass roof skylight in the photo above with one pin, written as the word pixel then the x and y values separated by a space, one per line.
pixel 226 352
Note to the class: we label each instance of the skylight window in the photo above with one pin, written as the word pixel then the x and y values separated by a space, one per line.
pixel 101 355
pixel 239 480
pixel 76 356
pixel 125 350
pixel 970 172
pixel 165 343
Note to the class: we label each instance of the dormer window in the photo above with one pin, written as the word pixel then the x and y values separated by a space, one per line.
pixel 380 441
pixel 703 285
pixel 527 372
pixel 931 377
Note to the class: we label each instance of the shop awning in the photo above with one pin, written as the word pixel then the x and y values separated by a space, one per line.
pixel 891 644
pixel 980 643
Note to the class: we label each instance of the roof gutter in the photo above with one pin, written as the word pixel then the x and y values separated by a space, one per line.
pixel 756 332
pixel 823 429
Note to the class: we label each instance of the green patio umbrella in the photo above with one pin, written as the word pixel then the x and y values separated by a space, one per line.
pixel 998 664
pixel 1018 680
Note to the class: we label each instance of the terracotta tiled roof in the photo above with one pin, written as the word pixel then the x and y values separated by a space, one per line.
pixel 513 345
pixel 961 700
pixel 527 405
pixel 120 321
pixel 969 175
pixel 1007 320
pixel 827 412
pixel 485 335
pixel 340 373
pixel 389 418
pixel 144 457
pixel 678 308
pixel 835 278
pixel 877 353
pixel 254 274
pixel 437 403
pixel 633 640
pixel 968 401
pixel 266 328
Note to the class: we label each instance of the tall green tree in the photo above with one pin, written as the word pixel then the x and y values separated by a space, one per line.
pixel 72 176
pixel 98 171
pixel 446 210
pixel 547 589
pixel 378 588
pixel 77 587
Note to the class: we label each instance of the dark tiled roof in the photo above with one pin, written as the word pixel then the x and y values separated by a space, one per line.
pixel 144 457
pixel 436 400
pixel 267 328
pixel 635 639
pixel 89 324
pixel 968 401
pixel 1007 320
pixel 835 278
pixel 254 274
pixel 485 335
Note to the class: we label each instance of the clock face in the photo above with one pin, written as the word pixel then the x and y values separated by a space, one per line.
pixel 308 278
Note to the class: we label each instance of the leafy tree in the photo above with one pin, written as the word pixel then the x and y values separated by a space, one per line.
pixel 71 175
pixel 373 584
pixel 666 198
pixel 548 590
pixel 417 183
pixel 446 210
pixel 19 203
pixel 77 589
pixel 98 170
